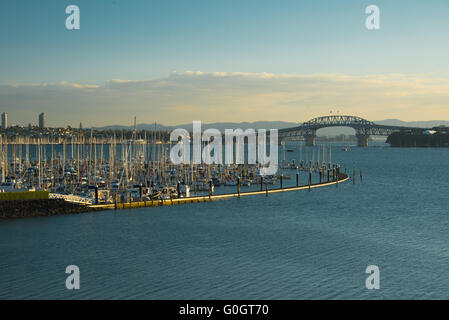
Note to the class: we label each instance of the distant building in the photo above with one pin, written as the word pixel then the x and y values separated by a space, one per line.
pixel 4 120
pixel 42 121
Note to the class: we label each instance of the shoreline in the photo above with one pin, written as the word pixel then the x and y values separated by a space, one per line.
pixel 20 209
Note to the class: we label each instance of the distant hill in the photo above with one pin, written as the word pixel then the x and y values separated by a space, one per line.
pixel 217 125
pixel 419 124
pixel 332 131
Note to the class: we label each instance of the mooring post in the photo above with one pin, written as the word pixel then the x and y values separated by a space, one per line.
pixel 115 200
pixel 321 175
pixel 297 179
pixel 238 186
pixel 140 192
pixel 337 170
pixel 96 194
pixel 261 183
pixel 328 175
pixel 282 180
pixel 210 189
pixel 361 175
pixel 310 180
pixel 178 189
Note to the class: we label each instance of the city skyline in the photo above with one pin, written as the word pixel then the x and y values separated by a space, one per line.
pixel 222 61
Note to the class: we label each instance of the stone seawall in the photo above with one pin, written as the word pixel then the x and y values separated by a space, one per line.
pixel 13 209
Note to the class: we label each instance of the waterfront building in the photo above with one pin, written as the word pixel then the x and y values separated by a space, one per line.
pixel 4 120
pixel 41 121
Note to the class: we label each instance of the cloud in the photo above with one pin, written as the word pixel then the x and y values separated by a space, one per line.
pixel 79 86
pixel 230 96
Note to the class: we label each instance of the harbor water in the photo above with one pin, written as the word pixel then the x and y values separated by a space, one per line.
pixel 292 245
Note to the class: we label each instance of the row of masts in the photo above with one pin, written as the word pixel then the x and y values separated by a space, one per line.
pixel 73 166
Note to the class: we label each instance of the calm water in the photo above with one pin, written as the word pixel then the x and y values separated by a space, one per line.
pixel 293 245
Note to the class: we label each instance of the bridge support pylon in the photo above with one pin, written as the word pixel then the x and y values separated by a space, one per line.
pixel 362 139
pixel 310 140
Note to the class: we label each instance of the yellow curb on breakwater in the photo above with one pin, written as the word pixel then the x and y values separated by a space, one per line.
pixel 196 199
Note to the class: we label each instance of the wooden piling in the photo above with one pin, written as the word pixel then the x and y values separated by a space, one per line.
pixel 238 187
pixel 96 194
pixel 310 180
pixel 210 189
pixel 353 176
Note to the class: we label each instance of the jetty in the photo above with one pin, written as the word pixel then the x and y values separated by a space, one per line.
pixel 341 177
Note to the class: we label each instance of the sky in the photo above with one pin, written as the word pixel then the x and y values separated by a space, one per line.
pixel 177 61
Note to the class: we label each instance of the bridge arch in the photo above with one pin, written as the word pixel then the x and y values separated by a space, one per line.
pixel 362 127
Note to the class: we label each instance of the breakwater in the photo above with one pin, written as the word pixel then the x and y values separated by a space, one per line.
pixel 14 209
pixel 139 204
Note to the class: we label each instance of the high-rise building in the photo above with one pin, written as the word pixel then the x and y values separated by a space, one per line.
pixel 4 120
pixel 42 121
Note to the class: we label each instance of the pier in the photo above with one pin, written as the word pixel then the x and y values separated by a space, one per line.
pixel 206 198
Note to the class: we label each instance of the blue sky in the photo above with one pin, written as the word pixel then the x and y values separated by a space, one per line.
pixel 147 40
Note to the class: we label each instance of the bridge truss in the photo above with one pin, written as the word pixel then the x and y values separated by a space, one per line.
pixel 363 128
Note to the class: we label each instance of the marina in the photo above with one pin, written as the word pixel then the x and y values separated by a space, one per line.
pixel 133 172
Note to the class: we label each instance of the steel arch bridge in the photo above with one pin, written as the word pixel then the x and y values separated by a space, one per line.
pixel 362 127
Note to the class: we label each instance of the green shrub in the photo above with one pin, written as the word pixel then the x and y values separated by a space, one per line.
pixel 23 195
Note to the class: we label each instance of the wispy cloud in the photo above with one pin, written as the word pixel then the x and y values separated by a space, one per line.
pixel 230 96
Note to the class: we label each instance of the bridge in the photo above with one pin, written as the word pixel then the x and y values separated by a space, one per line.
pixel 363 128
